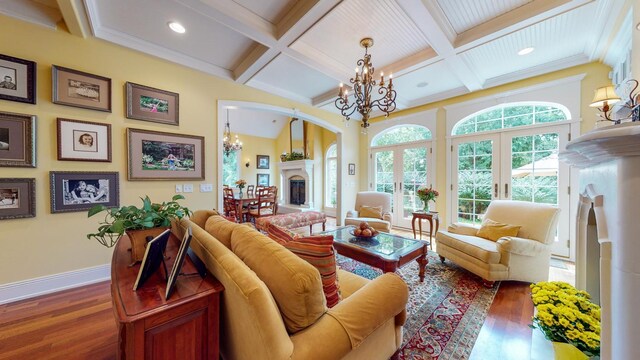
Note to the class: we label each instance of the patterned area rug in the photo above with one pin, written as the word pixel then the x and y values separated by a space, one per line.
pixel 445 312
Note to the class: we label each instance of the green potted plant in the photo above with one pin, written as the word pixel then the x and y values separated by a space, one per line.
pixel 138 223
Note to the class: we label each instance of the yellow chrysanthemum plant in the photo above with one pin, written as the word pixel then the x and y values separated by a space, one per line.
pixel 565 314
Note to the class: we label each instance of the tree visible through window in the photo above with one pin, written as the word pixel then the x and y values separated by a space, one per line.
pixel 402 134
pixel 332 180
pixel 230 168
pixel 508 116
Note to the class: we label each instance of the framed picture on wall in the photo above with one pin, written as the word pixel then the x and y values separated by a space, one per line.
pixel 17 140
pixel 352 169
pixel 262 180
pixel 262 161
pixel 17 79
pixel 17 198
pixel 79 191
pixel 150 104
pixel 80 89
pixel 155 155
pixel 83 140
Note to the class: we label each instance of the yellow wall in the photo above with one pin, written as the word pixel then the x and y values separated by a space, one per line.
pixel 596 76
pixel 252 146
pixel 55 243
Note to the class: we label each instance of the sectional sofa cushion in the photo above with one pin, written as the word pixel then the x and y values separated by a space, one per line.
pixel 295 284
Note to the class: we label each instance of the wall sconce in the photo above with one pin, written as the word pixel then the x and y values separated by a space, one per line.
pixel 247 164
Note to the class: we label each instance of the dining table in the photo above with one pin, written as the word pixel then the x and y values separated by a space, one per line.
pixel 240 202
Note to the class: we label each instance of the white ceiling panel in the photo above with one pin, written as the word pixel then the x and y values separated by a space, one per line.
pixel 292 76
pixel 554 39
pixel 463 15
pixel 147 20
pixel 438 78
pixel 256 123
pixel 338 34
pixel 271 10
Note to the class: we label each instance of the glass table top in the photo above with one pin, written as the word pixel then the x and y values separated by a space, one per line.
pixel 384 244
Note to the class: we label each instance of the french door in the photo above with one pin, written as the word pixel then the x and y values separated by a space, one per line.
pixel 518 165
pixel 400 170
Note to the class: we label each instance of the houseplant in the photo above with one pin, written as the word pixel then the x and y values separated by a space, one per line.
pixel 240 184
pixel 139 223
pixel 426 194
pixel 565 315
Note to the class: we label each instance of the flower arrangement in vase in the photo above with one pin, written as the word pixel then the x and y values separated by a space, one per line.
pixel 240 184
pixel 426 194
pixel 566 315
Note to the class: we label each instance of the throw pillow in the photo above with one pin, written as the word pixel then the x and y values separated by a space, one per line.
pixel 493 230
pixel 370 212
pixel 318 251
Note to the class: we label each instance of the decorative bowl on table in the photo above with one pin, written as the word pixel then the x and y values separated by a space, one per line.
pixel 364 231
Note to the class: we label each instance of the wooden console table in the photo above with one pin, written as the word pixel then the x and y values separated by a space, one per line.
pixel 429 216
pixel 150 327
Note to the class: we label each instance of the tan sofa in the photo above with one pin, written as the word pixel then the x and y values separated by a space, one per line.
pixel 268 288
pixel 371 198
pixel 524 257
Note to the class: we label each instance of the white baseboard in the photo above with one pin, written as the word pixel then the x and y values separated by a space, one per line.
pixel 21 290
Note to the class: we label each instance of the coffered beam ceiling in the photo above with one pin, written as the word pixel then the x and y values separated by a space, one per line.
pixel 435 49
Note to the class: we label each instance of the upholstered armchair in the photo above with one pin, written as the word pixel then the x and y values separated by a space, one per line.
pixel 373 207
pixel 523 257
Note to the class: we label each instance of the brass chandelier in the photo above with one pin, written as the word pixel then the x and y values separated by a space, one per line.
pixel 363 86
pixel 227 145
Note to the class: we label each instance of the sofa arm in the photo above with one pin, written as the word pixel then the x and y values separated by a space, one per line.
pixel 521 246
pixel 462 229
pixel 371 306
pixel 352 214
pixel 386 217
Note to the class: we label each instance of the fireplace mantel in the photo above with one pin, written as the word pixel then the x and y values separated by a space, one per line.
pixel 609 163
pixel 289 169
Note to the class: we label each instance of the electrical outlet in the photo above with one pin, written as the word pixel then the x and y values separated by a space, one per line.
pixel 188 188
pixel 206 187
pixel 178 188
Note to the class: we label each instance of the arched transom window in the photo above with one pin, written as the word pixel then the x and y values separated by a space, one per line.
pixel 402 134
pixel 511 115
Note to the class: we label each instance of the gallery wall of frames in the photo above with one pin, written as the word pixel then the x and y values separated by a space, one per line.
pixel 151 154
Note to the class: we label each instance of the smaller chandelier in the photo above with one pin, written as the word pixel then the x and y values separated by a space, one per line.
pixel 227 145
pixel 363 85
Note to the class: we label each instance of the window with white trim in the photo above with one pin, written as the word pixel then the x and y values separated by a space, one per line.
pixel 331 171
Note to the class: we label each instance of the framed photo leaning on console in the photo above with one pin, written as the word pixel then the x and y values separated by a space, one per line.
pixel 83 140
pixel 17 79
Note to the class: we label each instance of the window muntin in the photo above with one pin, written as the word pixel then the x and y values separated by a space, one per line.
pixel 402 134
pixel 510 115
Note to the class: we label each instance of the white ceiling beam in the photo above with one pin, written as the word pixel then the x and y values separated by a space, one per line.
pixel 75 17
pixel 236 17
pixel 297 21
pixel 278 91
pixel 32 12
pixel 440 42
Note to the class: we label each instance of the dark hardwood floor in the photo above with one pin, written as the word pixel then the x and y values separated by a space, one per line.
pixel 79 324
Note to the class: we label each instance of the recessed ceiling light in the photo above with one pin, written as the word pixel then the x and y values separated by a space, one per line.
pixel 422 84
pixel 177 27
pixel 638 26
pixel 526 51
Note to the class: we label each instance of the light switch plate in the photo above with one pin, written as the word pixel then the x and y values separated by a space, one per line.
pixel 178 188
pixel 206 187
pixel 188 188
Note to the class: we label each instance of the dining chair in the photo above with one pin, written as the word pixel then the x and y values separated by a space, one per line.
pixel 266 204
pixel 230 208
pixel 250 190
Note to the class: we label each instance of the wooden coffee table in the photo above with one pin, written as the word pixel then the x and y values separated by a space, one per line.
pixel 386 252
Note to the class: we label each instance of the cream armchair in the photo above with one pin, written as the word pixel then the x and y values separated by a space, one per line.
pixel 371 199
pixel 524 257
